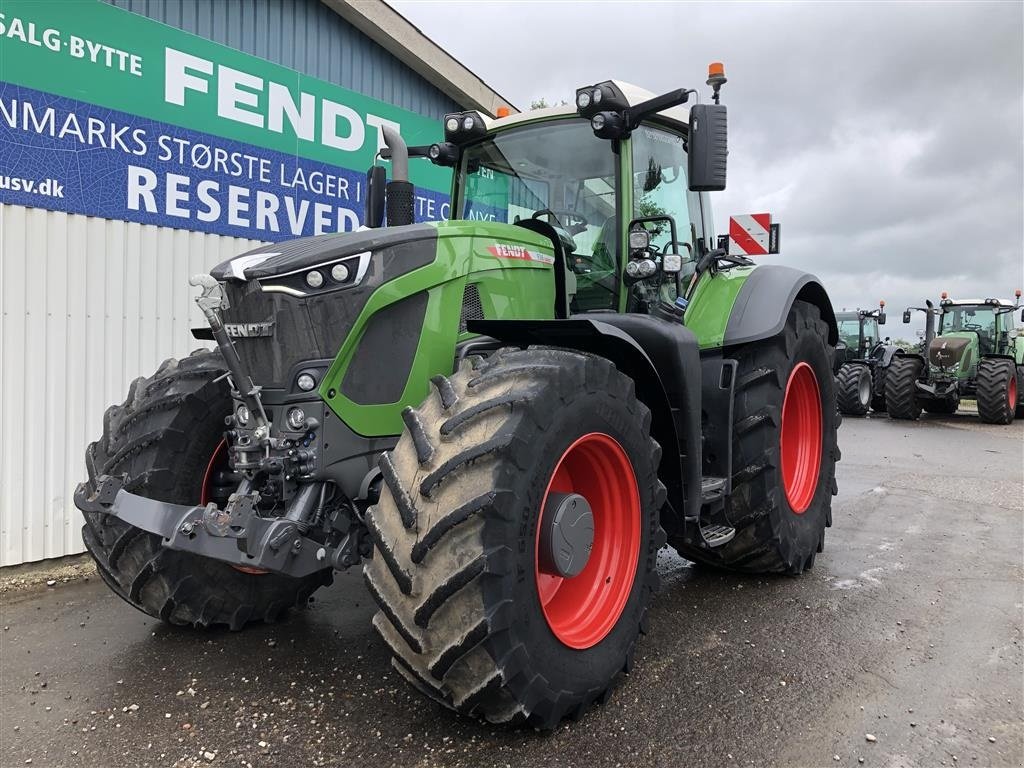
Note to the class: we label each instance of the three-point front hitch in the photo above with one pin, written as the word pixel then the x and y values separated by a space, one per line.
pixel 238 533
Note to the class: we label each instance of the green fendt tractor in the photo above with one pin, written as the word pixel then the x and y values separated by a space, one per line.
pixel 503 416
pixel 861 361
pixel 977 353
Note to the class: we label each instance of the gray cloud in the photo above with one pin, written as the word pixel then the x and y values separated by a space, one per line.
pixel 887 138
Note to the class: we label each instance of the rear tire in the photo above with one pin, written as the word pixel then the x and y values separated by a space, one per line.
pixel 771 536
pixel 853 389
pixel 456 531
pixel 163 437
pixel 997 390
pixel 901 387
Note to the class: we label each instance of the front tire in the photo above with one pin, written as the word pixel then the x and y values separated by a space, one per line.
pixel 997 390
pixel 467 608
pixel 878 388
pixel 784 451
pixel 901 387
pixel 165 437
pixel 853 389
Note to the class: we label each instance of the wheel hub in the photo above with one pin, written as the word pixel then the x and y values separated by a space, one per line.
pixel 566 534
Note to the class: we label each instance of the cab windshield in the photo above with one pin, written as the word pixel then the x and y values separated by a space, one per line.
pixel 849 331
pixel 968 318
pixel 561 173
pixel 979 319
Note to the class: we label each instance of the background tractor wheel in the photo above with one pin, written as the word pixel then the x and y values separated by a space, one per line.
pixel 1020 392
pixel 167 437
pixel 944 407
pixel 901 387
pixel 997 390
pixel 878 388
pixel 853 389
pixel 784 451
pixel 483 525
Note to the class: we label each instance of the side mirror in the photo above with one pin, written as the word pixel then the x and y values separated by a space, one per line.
pixel 671 263
pixel 881 318
pixel 906 317
pixel 376 180
pixel 707 147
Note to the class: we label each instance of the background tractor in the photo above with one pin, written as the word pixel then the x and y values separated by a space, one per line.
pixel 861 361
pixel 503 416
pixel 976 353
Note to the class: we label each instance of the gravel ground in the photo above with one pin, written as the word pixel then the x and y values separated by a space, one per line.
pixel 903 647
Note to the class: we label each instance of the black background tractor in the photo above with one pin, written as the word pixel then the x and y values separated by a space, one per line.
pixel 861 361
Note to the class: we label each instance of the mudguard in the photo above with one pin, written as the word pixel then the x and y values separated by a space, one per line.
pixel 663 360
pixel 763 303
pixel 886 353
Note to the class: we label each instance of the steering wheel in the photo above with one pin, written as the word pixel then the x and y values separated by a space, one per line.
pixel 571 221
pixel 973 327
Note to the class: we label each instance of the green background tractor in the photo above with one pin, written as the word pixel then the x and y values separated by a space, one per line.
pixel 861 361
pixel 975 353
pixel 503 417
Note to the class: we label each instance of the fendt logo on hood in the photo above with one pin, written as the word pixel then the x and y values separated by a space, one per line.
pixel 518 253
pixel 249 330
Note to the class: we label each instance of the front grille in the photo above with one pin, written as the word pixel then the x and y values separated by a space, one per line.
pixel 268 359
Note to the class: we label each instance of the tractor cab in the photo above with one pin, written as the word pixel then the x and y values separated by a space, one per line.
pixel 618 182
pixel 859 334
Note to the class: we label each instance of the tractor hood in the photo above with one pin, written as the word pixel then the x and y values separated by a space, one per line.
pixel 951 350
pixel 296 301
pixel 293 256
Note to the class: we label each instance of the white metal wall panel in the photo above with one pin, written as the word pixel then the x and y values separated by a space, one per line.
pixel 86 305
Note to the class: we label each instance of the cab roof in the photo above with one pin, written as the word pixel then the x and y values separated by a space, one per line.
pixel 1004 303
pixel 679 116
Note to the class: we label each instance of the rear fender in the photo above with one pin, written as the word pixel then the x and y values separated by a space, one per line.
pixel 677 429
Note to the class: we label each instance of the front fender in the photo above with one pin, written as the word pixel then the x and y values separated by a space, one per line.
pixel 675 418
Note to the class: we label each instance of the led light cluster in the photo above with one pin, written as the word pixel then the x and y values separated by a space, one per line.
pixel 461 127
pixel 332 275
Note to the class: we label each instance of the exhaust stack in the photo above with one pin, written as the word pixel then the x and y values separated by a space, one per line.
pixel 399 200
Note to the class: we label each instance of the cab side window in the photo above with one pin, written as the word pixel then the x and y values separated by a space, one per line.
pixel 660 189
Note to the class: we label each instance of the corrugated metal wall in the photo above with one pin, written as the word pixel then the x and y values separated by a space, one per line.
pixel 89 304
pixel 306 36
pixel 96 304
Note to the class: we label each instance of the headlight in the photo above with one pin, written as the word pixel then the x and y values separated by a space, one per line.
pixel 242 415
pixel 598 122
pixel 339 273
pixel 597 96
pixel 467 123
pixel 306 382
pixel 451 124
pixel 582 99
pixel 314 279
pixel 296 418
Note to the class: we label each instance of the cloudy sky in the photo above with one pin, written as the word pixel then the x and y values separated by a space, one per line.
pixel 887 138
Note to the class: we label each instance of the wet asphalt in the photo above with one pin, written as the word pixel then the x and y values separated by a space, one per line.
pixel 909 628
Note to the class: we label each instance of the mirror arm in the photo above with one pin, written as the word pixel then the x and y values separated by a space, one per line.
pixel 634 115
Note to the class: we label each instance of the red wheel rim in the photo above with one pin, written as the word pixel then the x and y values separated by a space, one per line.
pixel 1011 394
pixel 582 610
pixel 217 461
pixel 800 437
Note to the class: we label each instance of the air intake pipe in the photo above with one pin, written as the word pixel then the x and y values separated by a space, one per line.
pixel 399 198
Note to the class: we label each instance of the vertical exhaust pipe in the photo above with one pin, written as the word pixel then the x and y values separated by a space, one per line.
pixel 399 200
pixel 929 326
